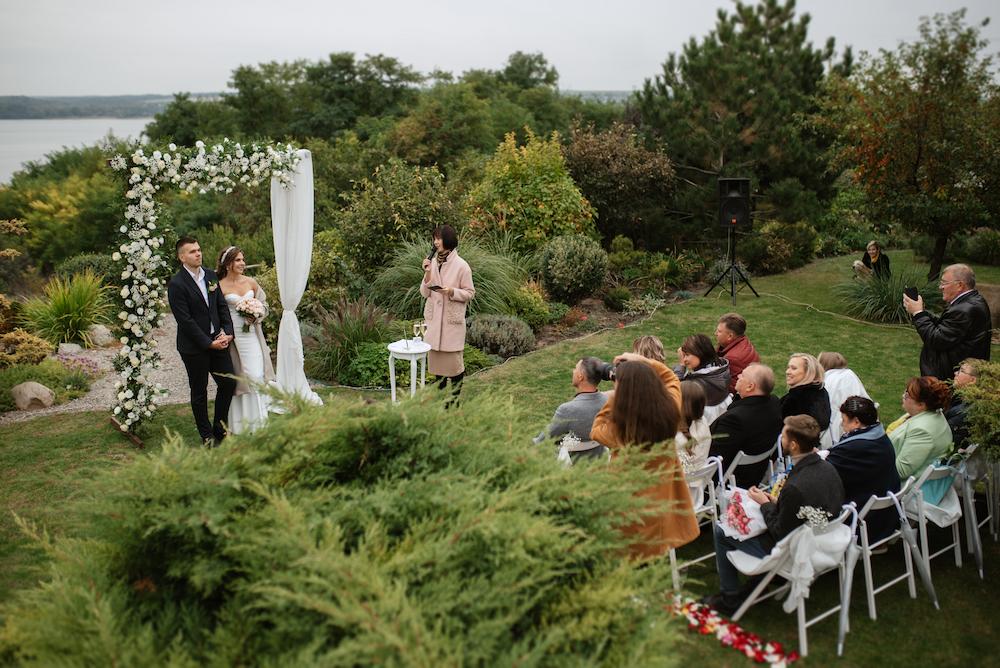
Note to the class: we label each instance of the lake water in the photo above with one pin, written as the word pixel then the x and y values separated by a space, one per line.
pixel 24 140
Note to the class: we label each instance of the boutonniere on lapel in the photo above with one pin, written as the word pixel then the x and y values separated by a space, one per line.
pixel 212 285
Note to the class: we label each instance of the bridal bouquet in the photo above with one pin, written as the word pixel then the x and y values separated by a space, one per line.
pixel 251 310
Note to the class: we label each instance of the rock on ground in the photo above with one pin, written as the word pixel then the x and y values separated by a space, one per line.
pixel 29 395
pixel 170 375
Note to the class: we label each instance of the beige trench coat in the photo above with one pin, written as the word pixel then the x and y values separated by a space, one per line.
pixel 445 316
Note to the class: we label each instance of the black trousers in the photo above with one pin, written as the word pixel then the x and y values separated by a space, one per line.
pixel 198 366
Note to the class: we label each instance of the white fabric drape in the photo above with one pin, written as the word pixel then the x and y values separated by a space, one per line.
pixel 292 221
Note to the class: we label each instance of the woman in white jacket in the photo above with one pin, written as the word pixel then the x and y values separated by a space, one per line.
pixel 840 383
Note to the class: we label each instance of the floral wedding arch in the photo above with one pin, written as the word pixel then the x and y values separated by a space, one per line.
pixel 143 254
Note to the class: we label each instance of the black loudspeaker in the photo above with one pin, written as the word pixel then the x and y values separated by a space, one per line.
pixel 734 202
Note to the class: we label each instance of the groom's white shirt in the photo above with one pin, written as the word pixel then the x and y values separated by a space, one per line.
pixel 199 280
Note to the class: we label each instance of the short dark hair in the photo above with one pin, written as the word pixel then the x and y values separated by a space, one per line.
pixel 804 430
pixel 183 241
pixel 735 323
pixel 447 235
pixel 592 369
pixel 861 408
pixel 700 346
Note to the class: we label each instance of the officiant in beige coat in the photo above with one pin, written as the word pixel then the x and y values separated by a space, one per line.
pixel 447 287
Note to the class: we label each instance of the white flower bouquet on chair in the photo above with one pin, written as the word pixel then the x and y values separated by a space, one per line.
pixel 743 518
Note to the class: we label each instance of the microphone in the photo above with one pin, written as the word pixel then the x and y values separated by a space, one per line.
pixel 433 253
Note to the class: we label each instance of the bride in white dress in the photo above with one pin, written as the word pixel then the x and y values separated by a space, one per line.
pixel 251 356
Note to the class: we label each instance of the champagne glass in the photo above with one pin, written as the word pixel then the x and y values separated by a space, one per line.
pixel 416 331
pixel 423 329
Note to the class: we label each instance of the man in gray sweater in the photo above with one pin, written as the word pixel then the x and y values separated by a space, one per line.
pixel 576 416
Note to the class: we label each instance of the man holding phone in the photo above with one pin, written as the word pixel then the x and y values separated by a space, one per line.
pixel 963 329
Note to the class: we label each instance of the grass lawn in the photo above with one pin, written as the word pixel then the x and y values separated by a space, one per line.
pixel 44 461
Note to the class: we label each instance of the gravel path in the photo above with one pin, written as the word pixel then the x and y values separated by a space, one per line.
pixel 171 375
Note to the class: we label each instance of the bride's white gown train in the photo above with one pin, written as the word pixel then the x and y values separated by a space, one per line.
pixel 248 411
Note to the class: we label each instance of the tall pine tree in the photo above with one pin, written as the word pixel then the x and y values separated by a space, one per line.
pixel 731 104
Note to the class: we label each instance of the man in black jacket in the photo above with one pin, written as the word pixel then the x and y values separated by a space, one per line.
pixel 751 424
pixel 811 482
pixel 963 330
pixel 204 332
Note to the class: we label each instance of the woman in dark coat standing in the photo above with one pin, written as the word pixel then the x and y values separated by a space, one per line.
pixel 806 394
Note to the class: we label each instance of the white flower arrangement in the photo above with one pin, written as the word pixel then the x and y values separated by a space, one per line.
pixel 252 310
pixel 817 518
pixel 220 168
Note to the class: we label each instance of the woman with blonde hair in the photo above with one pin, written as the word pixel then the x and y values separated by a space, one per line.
pixel 649 347
pixel 806 394
pixel 644 409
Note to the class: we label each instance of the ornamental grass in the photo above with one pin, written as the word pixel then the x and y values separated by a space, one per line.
pixel 497 278
pixel 879 299
pixel 70 306
pixel 352 534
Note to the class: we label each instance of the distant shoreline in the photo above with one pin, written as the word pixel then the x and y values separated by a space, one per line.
pixel 26 107
pixel 51 107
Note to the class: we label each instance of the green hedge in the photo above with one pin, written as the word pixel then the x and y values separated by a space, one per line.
pixel 353 534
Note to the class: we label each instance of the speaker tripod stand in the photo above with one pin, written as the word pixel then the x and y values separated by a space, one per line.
pixel 732 271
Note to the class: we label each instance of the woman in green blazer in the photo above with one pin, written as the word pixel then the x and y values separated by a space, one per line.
pixel 922 434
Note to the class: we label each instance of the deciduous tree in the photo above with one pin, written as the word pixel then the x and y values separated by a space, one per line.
pixel 919 127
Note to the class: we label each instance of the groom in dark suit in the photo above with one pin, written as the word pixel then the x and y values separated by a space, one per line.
pixel 204 332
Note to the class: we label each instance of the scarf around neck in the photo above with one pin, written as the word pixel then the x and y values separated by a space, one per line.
pixel 442 256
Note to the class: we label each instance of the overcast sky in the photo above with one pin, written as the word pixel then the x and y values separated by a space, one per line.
pixel 118 47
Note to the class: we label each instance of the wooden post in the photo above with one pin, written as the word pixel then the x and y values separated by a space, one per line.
pixel 136 441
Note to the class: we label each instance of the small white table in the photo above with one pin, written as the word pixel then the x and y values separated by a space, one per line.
pixel 412 350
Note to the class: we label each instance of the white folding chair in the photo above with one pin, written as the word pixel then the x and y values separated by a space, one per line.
pixel 974 469
pixel 706 510
pixel 742 459
pixel 946 515
pixel 867 546
pixel 781 562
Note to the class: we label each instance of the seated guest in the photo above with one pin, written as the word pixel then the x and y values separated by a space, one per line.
pixel 734 345
pixel 840 383
pixel 649 347
pixel 806 394
pixel 645 409
pixel 577 415
pixel 751 424
pixel 966 374
pixel 694 437
pixel 866 462
pixel 699 363
pixel 811 482
pixel 922 434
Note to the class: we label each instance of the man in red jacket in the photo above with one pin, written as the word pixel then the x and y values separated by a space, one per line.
pixel 730 334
